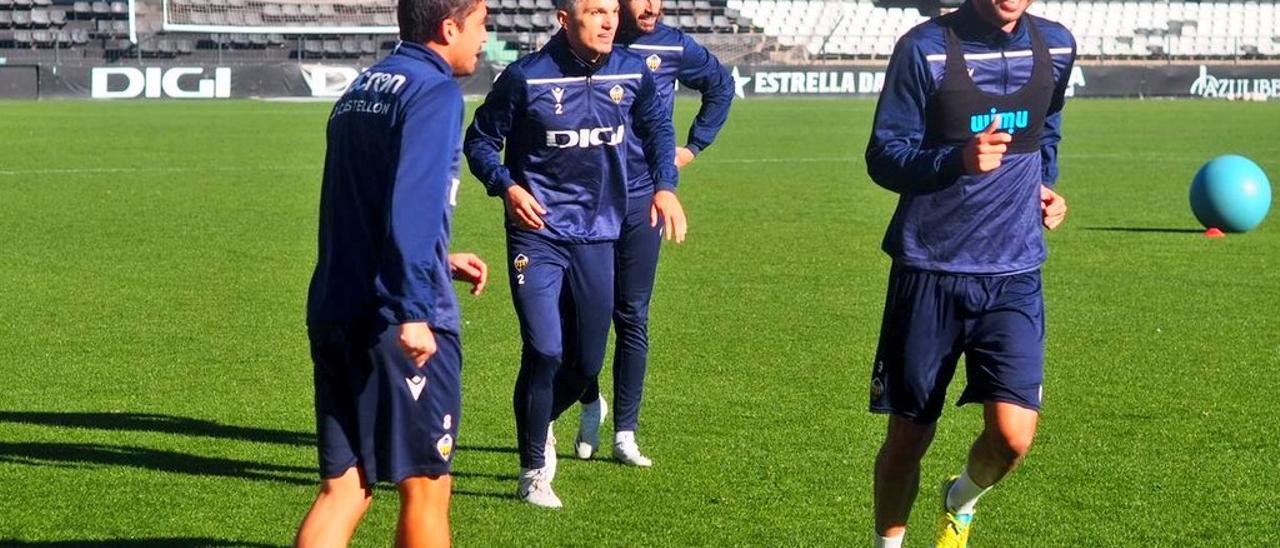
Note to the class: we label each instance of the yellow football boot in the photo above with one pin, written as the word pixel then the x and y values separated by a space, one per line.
pixel 953 529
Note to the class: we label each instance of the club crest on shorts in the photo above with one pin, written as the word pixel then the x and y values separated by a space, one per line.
pixel 520 262
pixel 654 62
pixel 617 93
pixel 444 446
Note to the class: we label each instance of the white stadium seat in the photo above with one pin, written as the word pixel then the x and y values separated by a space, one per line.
pixel 1209 28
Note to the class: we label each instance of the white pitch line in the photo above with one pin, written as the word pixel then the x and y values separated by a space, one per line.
pixel 77 170
pixel 859 158
pixel 814 160
pixel 777 160
pixel 90 170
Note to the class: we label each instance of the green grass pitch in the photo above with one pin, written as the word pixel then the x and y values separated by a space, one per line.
pixel 156 387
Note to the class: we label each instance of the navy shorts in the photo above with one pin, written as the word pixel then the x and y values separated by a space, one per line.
pixel 931 318
pixel 376 410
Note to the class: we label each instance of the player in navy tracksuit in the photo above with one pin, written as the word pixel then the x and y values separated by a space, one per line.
pixel 382 317
pixel 967 132
pixel 564 114
pixel 674 58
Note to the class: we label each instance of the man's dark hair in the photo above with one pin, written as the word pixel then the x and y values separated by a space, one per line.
pixel 420 20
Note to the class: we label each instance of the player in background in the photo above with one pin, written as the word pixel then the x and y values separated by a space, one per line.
pixel 966 132
pixel 563 114
pixel 382 316
pixel 672 56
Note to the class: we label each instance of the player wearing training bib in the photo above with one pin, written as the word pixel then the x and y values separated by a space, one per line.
pixel 564 114
pixel 966 132
pixel 674 59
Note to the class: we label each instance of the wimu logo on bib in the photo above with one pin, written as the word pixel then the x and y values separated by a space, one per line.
pixel 1010 122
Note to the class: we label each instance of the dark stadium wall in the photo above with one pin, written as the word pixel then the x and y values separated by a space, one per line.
pixel 177 81
pixel 19 82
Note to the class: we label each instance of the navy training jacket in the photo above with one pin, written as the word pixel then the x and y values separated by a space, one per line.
pixel 390 177
pixel 675 59
pixel 564 125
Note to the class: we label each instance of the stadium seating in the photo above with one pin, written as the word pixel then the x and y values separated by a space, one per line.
pixel 1181 29
pixel 776 31
pixel 1109 29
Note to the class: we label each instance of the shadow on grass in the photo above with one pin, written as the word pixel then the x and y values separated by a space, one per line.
pixel 509 497
pixel 63 454
pixel 488 449
pixel 485 475
pixel 165 542
pixel 72 455
pixel 165 424
pixel 1144 229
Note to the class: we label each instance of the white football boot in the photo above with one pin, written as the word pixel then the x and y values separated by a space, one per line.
pixel 535 488
pixel 627 452
pixel 549 453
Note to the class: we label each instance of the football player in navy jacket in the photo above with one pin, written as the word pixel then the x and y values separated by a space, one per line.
pixel 675 59
pixel 382 316
pixel 563 114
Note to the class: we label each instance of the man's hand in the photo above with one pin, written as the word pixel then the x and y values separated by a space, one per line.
pixel 418 342
pixel 524 209
pixel 1053 207
pixel 985 151
pixel 684 157
pixel 467 267
pixel 666 206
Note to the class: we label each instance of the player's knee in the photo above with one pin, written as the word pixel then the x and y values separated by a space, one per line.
pixel 425 498
pixel 631 313
pixel 425 489
pixel 632 326
pixel 904 450
pixel 907 441
pixel 1012 445
pixel 346 491
pixel 545 352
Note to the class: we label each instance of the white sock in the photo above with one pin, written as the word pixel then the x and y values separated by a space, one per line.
pixel 964 493
pixel 889 542
pixel 624 436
